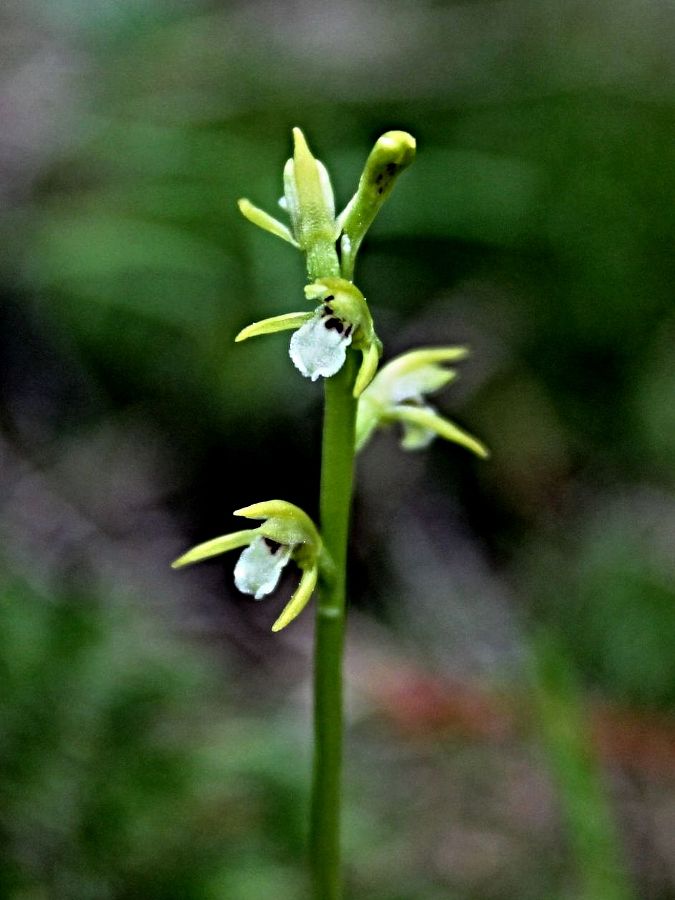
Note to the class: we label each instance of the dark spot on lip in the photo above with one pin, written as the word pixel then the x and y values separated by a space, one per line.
pixel 348 330
pixel 380 190
pixel 326 311
pixel 273 545
pixel 334 323
pixel 379 178
pixel 328 298
pixel 391 168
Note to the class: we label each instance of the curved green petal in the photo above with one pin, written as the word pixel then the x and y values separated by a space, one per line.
pixel 215 547
pixel 424 418
pixel 371 358
pixel 285 322
pixel 299 600
pixel 265 221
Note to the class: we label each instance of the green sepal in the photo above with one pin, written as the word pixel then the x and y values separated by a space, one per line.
pixel 424 418
pixel 285 322
pixel 418 359
pixel 286 523
pixel 215 547
pixel 393 152
pixel 300 598
pixel 265 221
pixel 368 368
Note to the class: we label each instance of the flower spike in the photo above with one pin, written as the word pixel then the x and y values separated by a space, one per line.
pixel 397 392
pixel 286 533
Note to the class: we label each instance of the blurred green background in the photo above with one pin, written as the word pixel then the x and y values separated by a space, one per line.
pixel 511 659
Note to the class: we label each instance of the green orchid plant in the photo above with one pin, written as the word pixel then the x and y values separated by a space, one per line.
pixel 360 397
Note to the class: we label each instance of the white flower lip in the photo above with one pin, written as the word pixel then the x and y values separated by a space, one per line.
pixel 258 568
pixel 319 347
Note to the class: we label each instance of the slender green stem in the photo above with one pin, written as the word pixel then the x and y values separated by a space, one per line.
pixel 336 495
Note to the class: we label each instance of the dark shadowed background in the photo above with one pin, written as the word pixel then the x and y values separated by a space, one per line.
pixel 511 656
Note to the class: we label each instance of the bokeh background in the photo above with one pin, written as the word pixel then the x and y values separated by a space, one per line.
pixel 511 664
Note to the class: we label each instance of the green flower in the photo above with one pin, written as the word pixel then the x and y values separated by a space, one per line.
pixel 287 533
pixel 397 394
pixel 309 202
pixel 319 345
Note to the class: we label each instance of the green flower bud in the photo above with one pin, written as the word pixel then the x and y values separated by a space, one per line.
pixel 311 207
pixel 393 152
pixel 308 200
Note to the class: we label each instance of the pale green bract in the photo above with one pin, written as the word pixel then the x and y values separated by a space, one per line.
pixel 397 394
pixel 287 533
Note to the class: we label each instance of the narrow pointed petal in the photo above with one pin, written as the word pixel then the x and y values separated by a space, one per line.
pixel 265 221
pixel 214 547
pixel 426 418
pixel 299 600
pixel 285 322
pixel 371 358
pixel 259 567
pixel 414 359
pixel 317 350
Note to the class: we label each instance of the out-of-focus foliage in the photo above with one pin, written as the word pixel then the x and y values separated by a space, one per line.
pixel 117 779
pixel 536 226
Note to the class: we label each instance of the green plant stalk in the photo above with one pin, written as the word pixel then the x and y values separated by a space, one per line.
pixel 337 467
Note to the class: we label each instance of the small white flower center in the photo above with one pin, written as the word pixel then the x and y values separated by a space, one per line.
pixel 319 347
pixel 258 568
